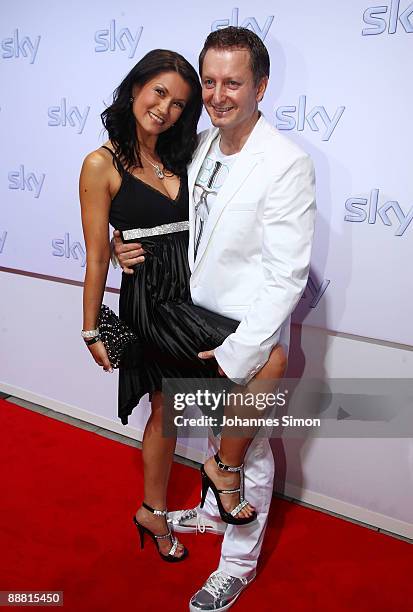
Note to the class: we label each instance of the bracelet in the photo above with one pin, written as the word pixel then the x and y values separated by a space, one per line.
pixel 90 333
pixel 92 340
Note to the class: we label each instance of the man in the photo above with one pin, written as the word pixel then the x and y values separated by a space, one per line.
pixel 251 227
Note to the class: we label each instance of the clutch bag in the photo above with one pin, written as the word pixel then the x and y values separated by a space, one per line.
pixel 115 335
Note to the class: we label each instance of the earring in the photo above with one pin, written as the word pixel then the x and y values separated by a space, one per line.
pixel 131 100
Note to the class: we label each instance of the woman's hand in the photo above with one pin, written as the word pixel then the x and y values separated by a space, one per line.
pixel 100 355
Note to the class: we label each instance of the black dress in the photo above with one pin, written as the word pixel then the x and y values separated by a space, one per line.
pixel 155 300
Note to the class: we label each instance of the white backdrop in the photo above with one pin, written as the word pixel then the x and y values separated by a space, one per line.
pixel 338 86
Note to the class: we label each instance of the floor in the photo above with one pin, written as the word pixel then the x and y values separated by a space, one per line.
pixel 131 442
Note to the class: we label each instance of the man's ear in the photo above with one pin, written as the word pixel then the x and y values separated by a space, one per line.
pixel 262 86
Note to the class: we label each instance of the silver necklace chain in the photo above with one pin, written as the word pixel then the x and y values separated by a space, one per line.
pixel 156 167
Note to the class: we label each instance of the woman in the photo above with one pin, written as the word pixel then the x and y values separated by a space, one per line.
pixel 137 182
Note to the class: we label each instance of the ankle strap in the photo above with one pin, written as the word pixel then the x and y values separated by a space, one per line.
pixel 227 468
pixel 156 512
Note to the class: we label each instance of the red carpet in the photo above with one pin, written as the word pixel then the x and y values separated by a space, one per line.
pixel 68 497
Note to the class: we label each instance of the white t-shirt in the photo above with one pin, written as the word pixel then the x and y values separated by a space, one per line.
pixel 211 176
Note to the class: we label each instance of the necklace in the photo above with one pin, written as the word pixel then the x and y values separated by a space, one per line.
pixel 156 167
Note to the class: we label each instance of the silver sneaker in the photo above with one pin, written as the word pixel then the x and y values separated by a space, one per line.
pixel 219 592
pixel 193 521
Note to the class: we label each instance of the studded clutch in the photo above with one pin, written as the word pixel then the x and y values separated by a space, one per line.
pixel 115 335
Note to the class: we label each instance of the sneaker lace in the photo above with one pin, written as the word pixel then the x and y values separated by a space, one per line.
pixel 200 523
pixel 188 514
pixel 217 583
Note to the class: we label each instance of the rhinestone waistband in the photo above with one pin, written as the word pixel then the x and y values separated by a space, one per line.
pixel 158 230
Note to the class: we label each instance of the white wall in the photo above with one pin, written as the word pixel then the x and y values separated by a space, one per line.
pixel 338 87
pixel 368 479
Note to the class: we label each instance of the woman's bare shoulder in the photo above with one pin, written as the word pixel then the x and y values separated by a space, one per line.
pixel 100 159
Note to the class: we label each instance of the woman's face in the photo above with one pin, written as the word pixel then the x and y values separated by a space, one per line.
pixel 159 103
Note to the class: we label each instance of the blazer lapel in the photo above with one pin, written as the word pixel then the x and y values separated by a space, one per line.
pixel 248 158
pixel 239 172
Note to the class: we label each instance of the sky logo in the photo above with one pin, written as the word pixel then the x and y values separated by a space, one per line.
pixel 360 209
pixel 109 39
pixel 16 46
pixel 3 237
pixel 62 247
pixel 394 18
pixel 250 23
pixel 290 117
pixel 316 291
pixel 61 115
pixel 19 179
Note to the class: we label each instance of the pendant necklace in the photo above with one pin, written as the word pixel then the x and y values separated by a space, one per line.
pixel 156 167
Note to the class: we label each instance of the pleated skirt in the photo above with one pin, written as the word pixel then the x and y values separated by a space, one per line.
pixel 155 302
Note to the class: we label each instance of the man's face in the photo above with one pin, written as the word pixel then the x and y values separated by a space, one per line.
pixel 228 90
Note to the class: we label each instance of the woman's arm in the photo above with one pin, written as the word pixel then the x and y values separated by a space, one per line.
pixel 95 199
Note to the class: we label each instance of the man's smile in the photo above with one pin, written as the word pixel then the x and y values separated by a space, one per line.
pixel 222 109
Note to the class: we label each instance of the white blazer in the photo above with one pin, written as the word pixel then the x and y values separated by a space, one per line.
pixel 254 256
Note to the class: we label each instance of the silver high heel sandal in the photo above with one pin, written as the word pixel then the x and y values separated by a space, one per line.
pixel 170 556
pixel 227 517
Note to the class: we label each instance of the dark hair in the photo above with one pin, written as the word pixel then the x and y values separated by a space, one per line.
pixel 175 147
pixel 240 38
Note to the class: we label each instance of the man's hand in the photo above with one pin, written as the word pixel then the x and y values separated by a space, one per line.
pixel 211 355
pixel 128 254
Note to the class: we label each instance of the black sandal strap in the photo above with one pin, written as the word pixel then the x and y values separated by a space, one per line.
pixel 156 512
pixel 227 468
pixel 163 537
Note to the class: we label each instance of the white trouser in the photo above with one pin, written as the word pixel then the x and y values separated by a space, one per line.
pixel 241 545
